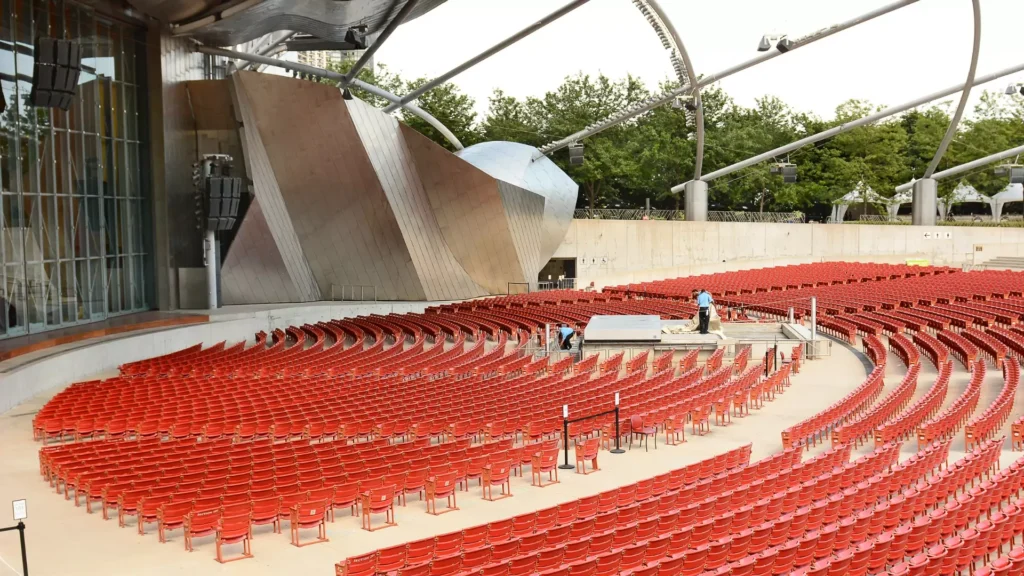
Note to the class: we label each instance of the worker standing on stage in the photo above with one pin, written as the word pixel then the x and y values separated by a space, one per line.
pixel 704 302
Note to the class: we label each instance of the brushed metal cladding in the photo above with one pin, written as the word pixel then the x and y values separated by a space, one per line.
pixel 347 229
pixel 274 268
pixel 173 10
pixel 524 211
pixel 442 276
pixel 180 65
pixel 325 19
pixel 254 271
pixel 468 209
pixel 514 164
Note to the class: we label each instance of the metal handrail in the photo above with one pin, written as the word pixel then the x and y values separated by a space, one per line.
pixel 713 216
pixel 347 288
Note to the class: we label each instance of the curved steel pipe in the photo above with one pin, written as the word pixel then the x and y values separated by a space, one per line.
pixel 667 97
pixel 951 131
pixel 321 73
pixel 690 78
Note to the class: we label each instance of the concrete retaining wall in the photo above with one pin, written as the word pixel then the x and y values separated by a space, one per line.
pixel 58 368
pixel 613 252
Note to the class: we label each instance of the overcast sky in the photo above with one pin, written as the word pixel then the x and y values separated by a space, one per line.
pixel 897 57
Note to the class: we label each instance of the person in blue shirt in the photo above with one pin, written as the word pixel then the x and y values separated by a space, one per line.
pixel 565 337
pixel 704 302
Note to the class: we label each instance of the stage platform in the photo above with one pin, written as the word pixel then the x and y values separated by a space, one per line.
pixel 21 345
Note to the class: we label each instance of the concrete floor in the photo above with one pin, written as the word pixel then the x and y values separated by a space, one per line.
pixel 63 539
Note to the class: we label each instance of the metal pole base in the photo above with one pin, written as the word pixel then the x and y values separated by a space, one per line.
pixel 566 467
pixel 617 451
pixel 924 206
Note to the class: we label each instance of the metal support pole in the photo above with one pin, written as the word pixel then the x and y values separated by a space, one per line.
pixel 24 552
pixel 691 79
pixel 972 69
pixel 547 338
pixel 923 207
pixel 486 54
pixel 695 199
pixel 565 438
pixel 210 260
pixel 792 317
pixel 814 326
pixel 618 434
pixel 21 535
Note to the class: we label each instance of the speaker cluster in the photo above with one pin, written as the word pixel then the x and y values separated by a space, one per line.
pixel 58 65
pixel 222 197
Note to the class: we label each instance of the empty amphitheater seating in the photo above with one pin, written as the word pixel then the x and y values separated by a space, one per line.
pixel 383 416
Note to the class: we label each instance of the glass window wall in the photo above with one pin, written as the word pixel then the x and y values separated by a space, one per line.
pixel 73 200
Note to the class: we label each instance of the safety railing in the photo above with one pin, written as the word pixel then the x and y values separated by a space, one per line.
pixel 560 284
pixel 713 216
pixel 353 292
pixel 565 430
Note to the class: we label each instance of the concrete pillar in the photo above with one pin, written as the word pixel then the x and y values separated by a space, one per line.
pixel 696 200
pixel 925 204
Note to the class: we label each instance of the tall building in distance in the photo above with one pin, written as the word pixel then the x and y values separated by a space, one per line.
pixel 318 58
pixel 323 58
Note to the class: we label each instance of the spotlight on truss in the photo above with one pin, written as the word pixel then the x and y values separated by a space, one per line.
pixel 778 40
pixel 575 154
pixel 1015 172
pixel 785 169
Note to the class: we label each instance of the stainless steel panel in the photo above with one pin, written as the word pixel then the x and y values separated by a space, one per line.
pixel 468 209
pixel 525 213
pixel 343 220
pixel 348 196
pixel 385 142
pixel 266 262
pixel 513 163
pixel 327 19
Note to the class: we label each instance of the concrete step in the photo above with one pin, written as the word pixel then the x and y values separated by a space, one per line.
pixel 1005 262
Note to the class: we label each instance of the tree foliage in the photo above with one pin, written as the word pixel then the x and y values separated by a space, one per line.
pixel 644 157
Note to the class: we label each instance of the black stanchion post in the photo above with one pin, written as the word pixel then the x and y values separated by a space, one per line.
pixel 565 437
pixel 618 449
pixel 24 554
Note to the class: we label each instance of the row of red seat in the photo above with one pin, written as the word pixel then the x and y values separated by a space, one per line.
pixel 931 424
pixel 903 425
pixel 859 429
pixel 815 428
pixel 552 527
pixel 991 420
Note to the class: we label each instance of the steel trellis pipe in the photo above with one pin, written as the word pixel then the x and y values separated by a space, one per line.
pixel 404 100
pixel 688 77
pixel 850 125
pixel 968 166
pixel 320 72
pixel 951 130
pixel 369 52
pixel 708 80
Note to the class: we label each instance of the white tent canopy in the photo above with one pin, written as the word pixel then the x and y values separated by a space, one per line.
pixel 862 193
pixel 962 193
pixel 893 204
pixel 1012 193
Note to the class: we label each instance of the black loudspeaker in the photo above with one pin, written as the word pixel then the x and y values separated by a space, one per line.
pixel 55 76
pixel 222 198
pixel 575 154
